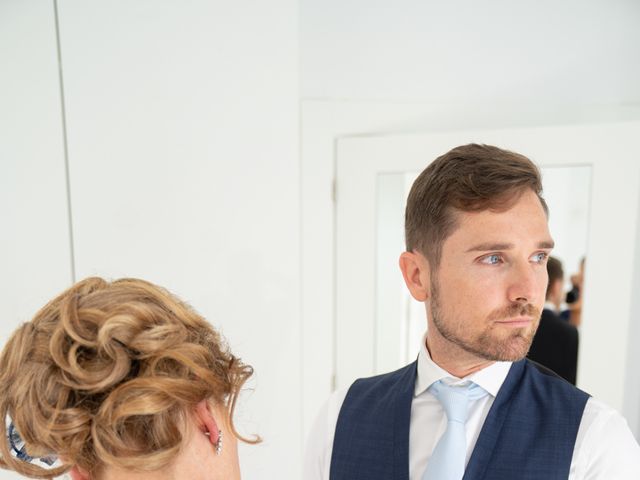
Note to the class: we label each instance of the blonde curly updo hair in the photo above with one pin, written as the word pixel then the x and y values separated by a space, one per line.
pixel 106 374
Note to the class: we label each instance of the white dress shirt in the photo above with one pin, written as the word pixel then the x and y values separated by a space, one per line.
pixel 605 448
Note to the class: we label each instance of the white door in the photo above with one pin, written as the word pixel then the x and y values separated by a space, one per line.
pixel 376 326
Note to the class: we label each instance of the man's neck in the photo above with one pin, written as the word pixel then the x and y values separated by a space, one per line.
pixel 453 359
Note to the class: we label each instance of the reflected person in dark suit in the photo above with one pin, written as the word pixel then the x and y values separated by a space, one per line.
pixel 555 344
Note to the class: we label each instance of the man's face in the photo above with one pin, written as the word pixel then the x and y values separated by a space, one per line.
pixel 489 289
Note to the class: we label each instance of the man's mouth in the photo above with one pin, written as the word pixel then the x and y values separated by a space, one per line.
pixel 516 322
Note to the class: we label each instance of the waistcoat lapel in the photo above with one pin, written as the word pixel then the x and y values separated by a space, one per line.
pixel 492 427
pixel 402 421
pixel 531 428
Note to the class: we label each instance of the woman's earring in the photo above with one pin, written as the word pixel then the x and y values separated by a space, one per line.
pixel 218 444
pixel 209 426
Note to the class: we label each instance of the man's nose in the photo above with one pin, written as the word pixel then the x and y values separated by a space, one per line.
pixel 522 283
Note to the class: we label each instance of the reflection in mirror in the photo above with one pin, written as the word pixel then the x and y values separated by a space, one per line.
pixel 400 320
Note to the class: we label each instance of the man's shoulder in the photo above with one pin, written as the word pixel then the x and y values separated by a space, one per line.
pixel 381 391
pixel 619 456
pixel 543 377
pixel 384 380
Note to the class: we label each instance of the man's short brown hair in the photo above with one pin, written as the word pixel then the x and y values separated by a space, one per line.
pixel 469 178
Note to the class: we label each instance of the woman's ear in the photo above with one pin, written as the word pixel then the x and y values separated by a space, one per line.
pixel 206 421
pixel 78 474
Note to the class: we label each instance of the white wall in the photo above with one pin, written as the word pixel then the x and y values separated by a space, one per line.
pixel 182 122
pixel 34 243
pixel 632 397
pixel 35 256
pixel 573 52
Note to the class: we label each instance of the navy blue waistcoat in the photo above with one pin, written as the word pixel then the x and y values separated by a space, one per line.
pixel 529 433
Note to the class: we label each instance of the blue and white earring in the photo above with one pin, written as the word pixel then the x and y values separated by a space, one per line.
pixel 19 450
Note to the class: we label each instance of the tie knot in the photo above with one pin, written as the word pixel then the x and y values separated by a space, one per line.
pixel 455 398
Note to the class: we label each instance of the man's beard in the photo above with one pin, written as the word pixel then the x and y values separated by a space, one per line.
pixel 514 346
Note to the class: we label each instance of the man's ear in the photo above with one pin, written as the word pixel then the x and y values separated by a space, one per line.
pixel 78 474
pixel 206 422
pixel 415 270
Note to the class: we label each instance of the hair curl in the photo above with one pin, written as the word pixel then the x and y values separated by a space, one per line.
pixel 105 374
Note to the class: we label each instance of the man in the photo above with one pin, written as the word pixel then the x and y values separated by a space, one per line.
pixel 477 245
pixel 555 344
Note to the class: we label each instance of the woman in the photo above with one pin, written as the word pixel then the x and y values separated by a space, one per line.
pixel 119 380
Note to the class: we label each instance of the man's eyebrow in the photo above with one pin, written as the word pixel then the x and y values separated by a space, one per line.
pixel 485 247
pixel 489 246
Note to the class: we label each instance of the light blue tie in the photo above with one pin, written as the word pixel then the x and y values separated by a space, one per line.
pixel 447 460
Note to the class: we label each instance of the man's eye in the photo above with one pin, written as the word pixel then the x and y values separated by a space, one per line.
pixel 539 257
pixel 492 259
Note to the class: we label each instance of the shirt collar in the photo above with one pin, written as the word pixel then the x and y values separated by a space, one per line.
pixel 490 378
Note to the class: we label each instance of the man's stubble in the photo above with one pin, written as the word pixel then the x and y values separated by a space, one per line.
pixel 488 344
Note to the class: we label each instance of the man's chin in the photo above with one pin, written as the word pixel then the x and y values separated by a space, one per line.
pixel 512 352
pixel 511 349
pixel 494 344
